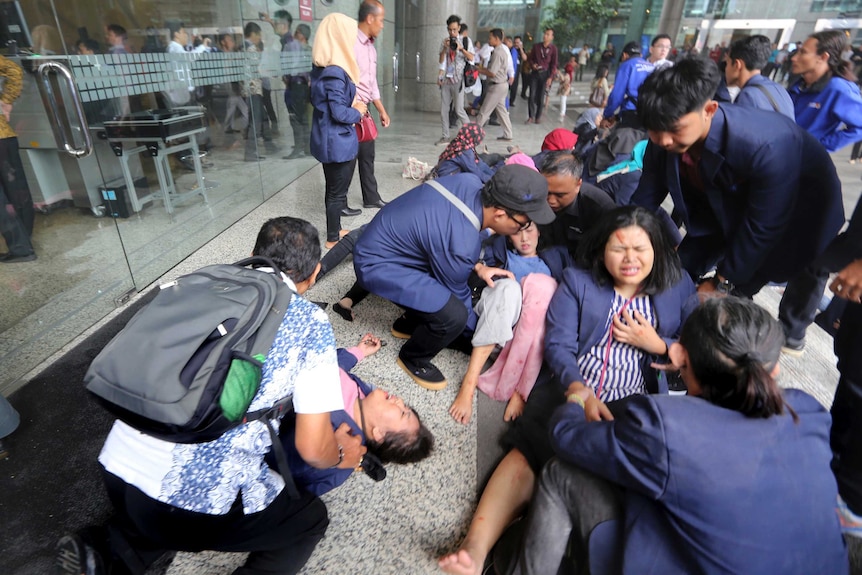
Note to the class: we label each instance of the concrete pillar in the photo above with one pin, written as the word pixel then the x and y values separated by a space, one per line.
pixel 670 19
pixel 635 28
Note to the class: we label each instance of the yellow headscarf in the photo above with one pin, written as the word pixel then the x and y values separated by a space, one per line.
pixel 334 44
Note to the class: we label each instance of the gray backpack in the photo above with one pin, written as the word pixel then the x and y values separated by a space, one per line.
pixel 187 366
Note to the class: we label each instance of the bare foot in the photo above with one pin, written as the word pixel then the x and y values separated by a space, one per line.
pixel 459 563
pixel 462 407
pixel 514 408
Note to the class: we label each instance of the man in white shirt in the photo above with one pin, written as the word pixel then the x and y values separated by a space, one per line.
pixel 222 495
pixel 497 84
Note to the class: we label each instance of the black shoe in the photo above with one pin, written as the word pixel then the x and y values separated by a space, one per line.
pixel 493 122
pixel 793 347
pixel 426 374
pixel 12 259
pixel 294 155
pixel 345 312
pixel 350 212
pixel 231 131
pixel 254 158
pixel 403 328
pixel 377 204
pixel 320 304
pixel 74 557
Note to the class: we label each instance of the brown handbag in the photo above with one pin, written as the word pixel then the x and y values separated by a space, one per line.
pixel 366 129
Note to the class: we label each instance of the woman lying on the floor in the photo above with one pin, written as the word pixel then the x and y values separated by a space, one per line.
pixel 609 319
pixel 390 429
pixel 512 316
pixel 734 478
pixel 460 155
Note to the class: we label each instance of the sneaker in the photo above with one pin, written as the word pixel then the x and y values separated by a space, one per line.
pixel 793 347
pixel 426 375
pixel 852 161
pixel 402 328
pixel 74 557
pixel 851 524
pixel 441 141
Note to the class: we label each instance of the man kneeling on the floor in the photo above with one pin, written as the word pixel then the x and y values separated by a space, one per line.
pixel 222 495
pixel 419 251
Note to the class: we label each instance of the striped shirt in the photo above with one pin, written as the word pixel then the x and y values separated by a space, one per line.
pixel 624 376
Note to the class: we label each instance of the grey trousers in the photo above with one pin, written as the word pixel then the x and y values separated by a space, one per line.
pixel 498 309
pixel 452 93
pixel 568 505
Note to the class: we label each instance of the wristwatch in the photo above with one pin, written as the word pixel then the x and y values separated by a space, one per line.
pixel 724 286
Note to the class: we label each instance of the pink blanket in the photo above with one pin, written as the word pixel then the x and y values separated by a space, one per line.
pixel 518 365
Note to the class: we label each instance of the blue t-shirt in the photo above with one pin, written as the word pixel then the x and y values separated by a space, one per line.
pixel 523 266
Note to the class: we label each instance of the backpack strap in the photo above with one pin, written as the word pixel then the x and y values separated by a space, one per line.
pixel 462 207
pixel 277 411
pixel 769 97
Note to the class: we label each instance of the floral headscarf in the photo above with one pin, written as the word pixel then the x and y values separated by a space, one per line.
pixel 468 137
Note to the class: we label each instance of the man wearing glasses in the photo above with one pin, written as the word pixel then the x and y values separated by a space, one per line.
pixel 455 52
pixel 658 52
pixel 419 251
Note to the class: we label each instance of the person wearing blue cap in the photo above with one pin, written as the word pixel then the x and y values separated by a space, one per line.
pixel 419 251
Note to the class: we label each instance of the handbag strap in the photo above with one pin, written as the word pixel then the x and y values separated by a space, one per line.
pixel 769 97
pixel 457 203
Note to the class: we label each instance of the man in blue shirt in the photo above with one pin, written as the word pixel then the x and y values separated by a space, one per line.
pixel 419 251
pixel 744 60
pixel 623 100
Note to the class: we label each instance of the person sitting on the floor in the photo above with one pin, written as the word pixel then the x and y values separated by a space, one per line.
pixel 537 269
pixel 626 262
pixel 733 478
pixel 221 495
pixel 418 252
pixel 391 430
pixel 460 155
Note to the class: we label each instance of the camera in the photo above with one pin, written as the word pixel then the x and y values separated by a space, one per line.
pixel 453 44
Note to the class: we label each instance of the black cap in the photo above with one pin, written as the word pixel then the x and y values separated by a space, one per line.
pixel 632 48
pixel 522 190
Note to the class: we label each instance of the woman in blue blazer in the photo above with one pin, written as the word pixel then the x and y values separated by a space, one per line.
pixel 733 478
pixel 336 110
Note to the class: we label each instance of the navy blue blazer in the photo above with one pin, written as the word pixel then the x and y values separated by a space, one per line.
pixel 751 96
pixel 333 135
pixel 465 163
pixel 312 479
pixel 579 312
pixel 557 258
pixel 708 490
pixel 420 249
pixel 771 186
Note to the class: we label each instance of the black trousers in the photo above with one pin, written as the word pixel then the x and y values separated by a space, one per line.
pixel 280 538
pixel 338 176
pixel 434 331
pixel 13 183
pixel 271 117
pixel 296 99
pixel 257 128
pixel 513 90
pixel 846 435
pixel 537 94
pixel 367 181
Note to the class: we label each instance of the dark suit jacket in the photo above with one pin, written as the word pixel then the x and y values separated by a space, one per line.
pixel 574 220
pixel 708 490
pixel 579 312
pixel 773 190
pixel 333 135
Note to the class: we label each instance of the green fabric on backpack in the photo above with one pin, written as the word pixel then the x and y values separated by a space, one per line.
pixel 240 387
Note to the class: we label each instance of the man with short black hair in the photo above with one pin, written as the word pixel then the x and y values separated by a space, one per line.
pixel 454 55
pixel 577 205
pixel 759 196
pixel 543 70
pixel 497 85
pixel 115 38
pixel 659 49
pixel 623 99
pixel 221 495
pixel 371 19
pixel 254 86
pixel 418 252
pixel 746 57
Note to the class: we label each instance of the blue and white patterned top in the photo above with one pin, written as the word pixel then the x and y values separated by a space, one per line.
pixel 206 477
pixel 624 376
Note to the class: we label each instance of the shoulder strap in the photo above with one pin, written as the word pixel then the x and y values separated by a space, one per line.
pixel 468 213
pixel 769 97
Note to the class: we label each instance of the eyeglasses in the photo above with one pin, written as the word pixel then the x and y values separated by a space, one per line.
pixel 521 225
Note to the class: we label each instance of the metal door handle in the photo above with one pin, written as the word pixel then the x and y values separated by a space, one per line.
pixel 418 66
pixel 50 100
pixel 395 72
